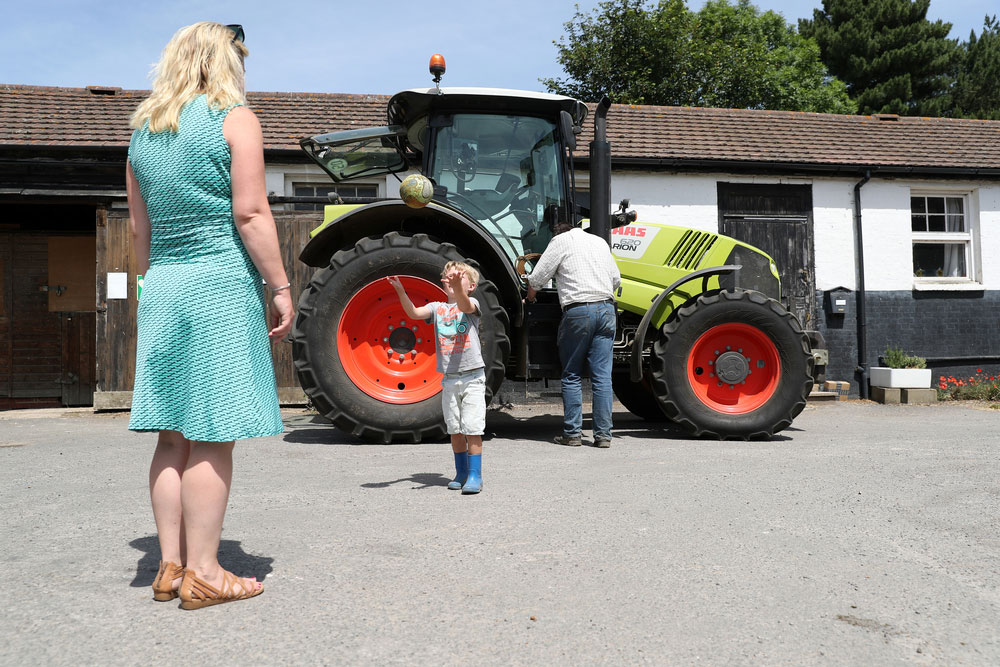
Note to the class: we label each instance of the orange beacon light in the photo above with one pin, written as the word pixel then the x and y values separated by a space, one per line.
pixel 437 67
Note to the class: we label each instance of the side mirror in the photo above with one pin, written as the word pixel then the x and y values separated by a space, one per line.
pixel 566 129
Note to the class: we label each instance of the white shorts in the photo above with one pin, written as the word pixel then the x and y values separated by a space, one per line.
pixel 463 397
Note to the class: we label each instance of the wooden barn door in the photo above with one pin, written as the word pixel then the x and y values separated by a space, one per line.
pixel 778 220
pixel 46 349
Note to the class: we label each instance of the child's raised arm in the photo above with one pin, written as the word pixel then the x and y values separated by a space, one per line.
pixel 414 313
pixel 461 296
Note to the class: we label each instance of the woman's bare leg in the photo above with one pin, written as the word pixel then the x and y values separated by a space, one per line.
pixel 165 473
pixel 204 495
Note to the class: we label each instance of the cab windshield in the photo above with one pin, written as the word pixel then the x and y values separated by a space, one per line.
pixel 503 171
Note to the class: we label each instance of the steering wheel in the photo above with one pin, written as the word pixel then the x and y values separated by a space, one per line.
pixel 521 261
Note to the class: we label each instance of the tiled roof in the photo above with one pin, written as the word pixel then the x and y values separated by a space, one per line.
pixel 792 137
pixel 98 117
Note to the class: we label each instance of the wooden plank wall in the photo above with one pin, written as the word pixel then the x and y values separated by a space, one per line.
pixel 115 317
pixel 293 231
pixel 116 333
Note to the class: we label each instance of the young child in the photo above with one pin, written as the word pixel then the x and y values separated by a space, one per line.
pixel 460 360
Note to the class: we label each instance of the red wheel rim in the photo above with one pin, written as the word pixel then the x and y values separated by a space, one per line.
pixel 386 354
pixel 734 368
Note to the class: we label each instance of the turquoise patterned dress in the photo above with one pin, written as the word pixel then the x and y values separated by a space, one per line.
pixel 203 363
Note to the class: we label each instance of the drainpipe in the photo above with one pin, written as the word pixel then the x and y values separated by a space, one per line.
pixel 860 295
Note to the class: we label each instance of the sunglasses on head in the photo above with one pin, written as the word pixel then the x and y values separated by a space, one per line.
pixel 237 32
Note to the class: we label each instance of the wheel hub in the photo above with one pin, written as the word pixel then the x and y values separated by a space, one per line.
pixel 732 367
pixel 402 340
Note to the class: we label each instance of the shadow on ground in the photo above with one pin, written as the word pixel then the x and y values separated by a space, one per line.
pixel 231 557
pixel 424 480
pixel 312 429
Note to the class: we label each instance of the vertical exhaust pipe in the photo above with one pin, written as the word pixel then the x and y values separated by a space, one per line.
pixel 600 174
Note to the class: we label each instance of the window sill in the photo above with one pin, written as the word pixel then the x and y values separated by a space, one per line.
pixel 930 286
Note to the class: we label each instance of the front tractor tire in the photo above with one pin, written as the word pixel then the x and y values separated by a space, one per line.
pixel 732 365
pixel 364 365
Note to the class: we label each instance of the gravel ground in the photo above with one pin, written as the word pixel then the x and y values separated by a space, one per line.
pixel 865 534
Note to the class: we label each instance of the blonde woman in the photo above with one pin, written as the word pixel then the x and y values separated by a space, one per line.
pixel 204 238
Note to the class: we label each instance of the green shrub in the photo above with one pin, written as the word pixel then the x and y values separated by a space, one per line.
pixel 896 358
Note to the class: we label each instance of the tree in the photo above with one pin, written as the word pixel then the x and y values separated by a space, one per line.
pixel 977 88
pixel 724 56
pixel 891 57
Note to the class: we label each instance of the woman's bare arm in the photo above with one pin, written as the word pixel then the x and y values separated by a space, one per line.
pixel 138 221
pixel 252 213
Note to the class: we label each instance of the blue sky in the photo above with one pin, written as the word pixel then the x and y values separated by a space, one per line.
pixel 329 46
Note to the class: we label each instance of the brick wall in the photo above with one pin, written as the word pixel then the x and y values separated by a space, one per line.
pixel 927 324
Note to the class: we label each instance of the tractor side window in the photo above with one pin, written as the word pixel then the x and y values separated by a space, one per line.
pixel 502 171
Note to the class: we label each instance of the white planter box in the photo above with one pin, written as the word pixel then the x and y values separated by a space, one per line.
pixel 900 378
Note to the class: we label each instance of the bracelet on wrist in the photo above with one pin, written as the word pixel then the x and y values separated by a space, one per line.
pixel 275 290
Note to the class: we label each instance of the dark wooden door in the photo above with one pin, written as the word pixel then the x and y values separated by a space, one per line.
pixel 33 343
pixel 778 220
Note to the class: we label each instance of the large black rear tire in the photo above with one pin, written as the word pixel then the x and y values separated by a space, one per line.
pixel 320 326
pixel 637 397
pixel 732 365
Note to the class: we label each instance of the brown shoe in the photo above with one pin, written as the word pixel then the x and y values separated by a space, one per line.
pixel 196 593
pixel 163 585
pixel 603 443
pixel 569 440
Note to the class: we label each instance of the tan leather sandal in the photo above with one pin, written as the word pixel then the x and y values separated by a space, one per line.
pixel 163 585
pixel 196 594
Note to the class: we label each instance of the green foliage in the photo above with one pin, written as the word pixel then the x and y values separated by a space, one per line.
pixel 896 358
pixel 977 88
pixel 892 58
pixel 725 55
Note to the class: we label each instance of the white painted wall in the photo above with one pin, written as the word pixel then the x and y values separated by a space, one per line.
pixel 691 200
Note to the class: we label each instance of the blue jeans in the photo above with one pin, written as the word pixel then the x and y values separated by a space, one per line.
pixel 586 335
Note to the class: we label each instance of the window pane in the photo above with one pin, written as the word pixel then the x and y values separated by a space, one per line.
pixel 935 204
pixel 918 205
pixel 956 205
pixel 932 260
pixel 935 223
pixel 302 190
pixel 956 223
pixel 918 223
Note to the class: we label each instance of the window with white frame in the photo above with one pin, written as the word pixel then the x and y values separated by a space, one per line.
pixel 942 237
pixel 369 190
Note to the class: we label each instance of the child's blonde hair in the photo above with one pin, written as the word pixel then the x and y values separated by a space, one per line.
pixel 464 268
pixel 199 58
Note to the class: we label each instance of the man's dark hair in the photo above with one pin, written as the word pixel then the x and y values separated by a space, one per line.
pixel 560 227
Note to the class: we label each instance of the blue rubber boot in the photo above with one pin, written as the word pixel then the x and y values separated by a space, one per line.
pixel 461 470
pixel 474 482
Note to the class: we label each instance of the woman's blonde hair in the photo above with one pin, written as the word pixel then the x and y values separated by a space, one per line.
pixel 199 58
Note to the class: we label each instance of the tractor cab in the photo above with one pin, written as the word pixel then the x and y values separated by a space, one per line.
pixel 498 156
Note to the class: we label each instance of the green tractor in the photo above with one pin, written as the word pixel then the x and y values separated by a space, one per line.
pixel 702 339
